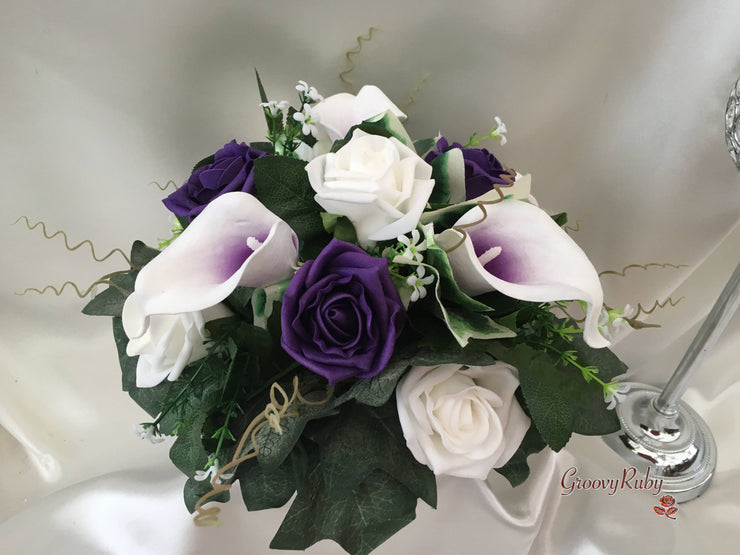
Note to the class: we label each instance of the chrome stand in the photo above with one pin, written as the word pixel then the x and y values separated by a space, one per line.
pixel 660 430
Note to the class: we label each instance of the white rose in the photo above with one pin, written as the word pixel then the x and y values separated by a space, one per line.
pixel 169 343
pixel 459 420
pixel 339 112
pixel 380 184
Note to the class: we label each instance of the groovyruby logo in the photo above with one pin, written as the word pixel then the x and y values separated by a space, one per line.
pixel 666 507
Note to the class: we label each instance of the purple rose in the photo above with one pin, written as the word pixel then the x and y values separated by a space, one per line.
pixel 341 314
pixel 482 169
pixel 231 170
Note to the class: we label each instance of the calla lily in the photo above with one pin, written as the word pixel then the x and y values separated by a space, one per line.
pixel 516 248
pixel 339 112
pixel 234 241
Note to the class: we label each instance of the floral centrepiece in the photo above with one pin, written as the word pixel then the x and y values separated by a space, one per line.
pixel 346 314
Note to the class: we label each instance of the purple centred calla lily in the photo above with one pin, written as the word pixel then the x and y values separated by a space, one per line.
pixel 482 169
pixel 230 171
pixel 341 314
pixel 516 248
pixel 235 241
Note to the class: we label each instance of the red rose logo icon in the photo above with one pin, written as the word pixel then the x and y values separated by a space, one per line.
pixel 667 509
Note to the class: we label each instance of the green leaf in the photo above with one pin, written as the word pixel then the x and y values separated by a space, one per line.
pixel 264 146
pixel 268 490
pixel 340 227
pixel 561 218
pixel 274 446
pixel 141 254
pixel 377 390
pixel 548 391
pixel 370 437
pixel 187 453
pixel 110 302
pixel 359 521
pixel 210 159
pixel 448 172
pixel 362 504
pixel 369 128
pixel 264 301
pixel 195 489
pixel 424 146
pixel 449 290
pixel 390 122
pixel 516 470
pixel 282 185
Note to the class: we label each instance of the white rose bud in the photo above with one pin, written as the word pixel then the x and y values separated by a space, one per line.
pixel 169 343
pixel 380 184
pixel 459 420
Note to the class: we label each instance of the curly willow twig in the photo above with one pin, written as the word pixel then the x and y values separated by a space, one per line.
pixel 66 241
pixel 104 280
pixel 415 90
pixel 274 412
pixel 165 186
pixel 644 267
pixel 354 52
pixel 656 305
pixel 571 228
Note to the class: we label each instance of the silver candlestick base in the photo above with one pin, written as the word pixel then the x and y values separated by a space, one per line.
pixel 663 432
pixel 680 450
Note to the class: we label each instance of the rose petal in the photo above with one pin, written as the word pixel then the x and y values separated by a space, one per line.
pixel 339 112
pixel 537 261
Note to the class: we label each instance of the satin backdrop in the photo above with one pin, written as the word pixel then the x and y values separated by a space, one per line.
pixel 615 108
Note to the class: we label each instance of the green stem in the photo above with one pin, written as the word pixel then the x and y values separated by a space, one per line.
pixel 179 396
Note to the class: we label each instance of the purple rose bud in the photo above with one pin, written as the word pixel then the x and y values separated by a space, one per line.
pixel 230 171
pixel 341 314
pixel 482 169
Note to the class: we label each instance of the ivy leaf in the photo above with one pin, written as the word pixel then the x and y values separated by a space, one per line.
pixel 187 453
pixel 448 172
pixel 359 521
pixel 282 185
pixel 377 390
pixel 369 128
pixel 424 146
pixel 268 490
pixel 362 504
pixel 110 302
pixel 390 122
pixel 370 437
pixel 516 469
pixel 548 392
pixel 275 446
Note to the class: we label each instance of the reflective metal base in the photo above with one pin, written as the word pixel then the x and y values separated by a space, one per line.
pixel 679 448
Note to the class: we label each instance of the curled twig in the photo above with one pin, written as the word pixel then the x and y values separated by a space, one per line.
pixel 275 411
pixel 656 305
pixel 354 52
pixel 66 241
pixel 571 228
pixel 416 90
pixel 104 280
pixel 644 267
pixel 165 186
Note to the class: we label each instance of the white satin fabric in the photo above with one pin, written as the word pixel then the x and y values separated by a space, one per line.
pixel 615 108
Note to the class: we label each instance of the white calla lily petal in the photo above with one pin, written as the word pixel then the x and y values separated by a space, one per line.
pixel 339 112
pixel 517 249
pixel 234 241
